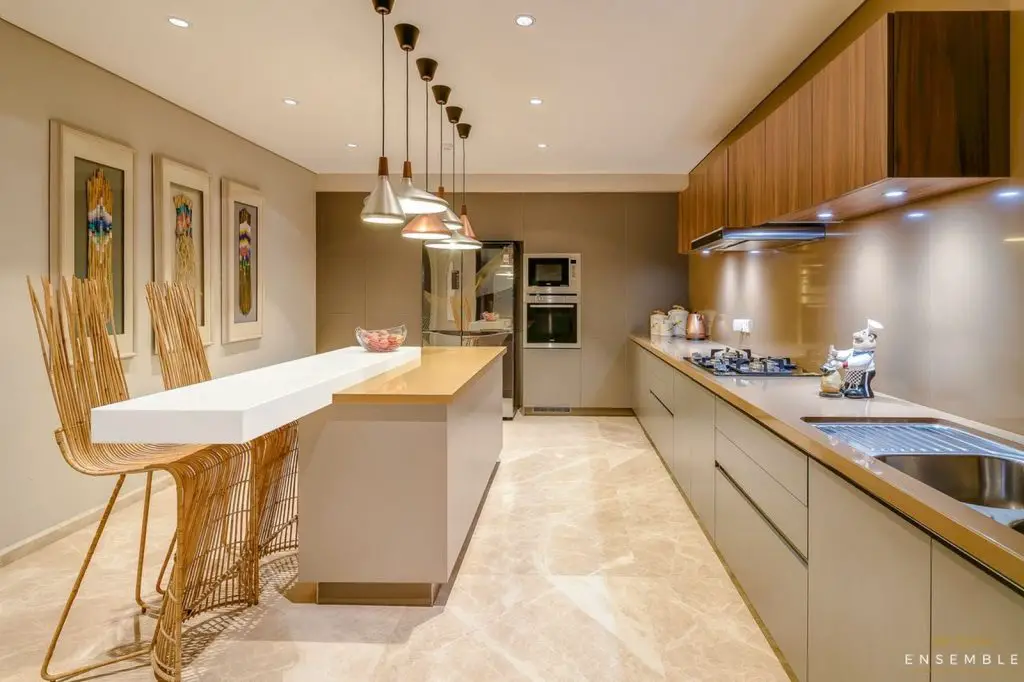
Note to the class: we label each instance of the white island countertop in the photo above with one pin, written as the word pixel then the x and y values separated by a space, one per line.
pixel 243 406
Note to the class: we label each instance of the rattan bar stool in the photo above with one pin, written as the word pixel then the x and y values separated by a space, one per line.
pixel 183 362
pixel 216 563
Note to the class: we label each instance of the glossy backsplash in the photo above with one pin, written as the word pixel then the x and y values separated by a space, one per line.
pixel 948 285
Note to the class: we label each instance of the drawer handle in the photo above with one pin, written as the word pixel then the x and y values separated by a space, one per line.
pixel 760 512
pixel 661 403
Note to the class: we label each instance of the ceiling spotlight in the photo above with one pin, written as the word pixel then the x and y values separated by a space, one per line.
pixel 524 20
pixel 1009 194
pixel 895 194
pixel 916 214
pixel 351 145
pixel 180 23
pixel 706 251
pixel 755 252
pixel 825 215
pixel 542 145
pixel 290 102
pixel 536 101
pixel 1014 240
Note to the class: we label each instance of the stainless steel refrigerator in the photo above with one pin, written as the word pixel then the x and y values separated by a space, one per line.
pixel 474 298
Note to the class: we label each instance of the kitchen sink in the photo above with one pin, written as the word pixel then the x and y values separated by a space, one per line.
pixel 983 480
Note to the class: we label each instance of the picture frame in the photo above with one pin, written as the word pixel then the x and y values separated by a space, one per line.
pixel 242 306
pixel 92 219
pixel 183 241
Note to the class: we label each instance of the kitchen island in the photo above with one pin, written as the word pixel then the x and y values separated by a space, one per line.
pixel 391 476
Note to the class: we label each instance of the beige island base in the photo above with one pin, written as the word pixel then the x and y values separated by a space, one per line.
pixel 392 475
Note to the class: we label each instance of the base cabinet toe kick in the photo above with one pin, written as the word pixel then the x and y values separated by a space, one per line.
pixel 847 589
pixel 389 492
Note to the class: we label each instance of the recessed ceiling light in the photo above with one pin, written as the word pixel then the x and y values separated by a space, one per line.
pixel 1014 240
pixel 351 145
pixel 895 193
pixel 290 102
pixel 180 23
pixel 524 20
pixel 706 251
pixel 536 101
pixel 916 214
pixel 755 252
pixel 542 145
pixel 825 215
pixel 1009 193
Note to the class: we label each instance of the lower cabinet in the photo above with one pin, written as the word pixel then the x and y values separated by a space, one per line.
pixel 696 430
pixel 977 623
pixel 773 574
pixel 869 587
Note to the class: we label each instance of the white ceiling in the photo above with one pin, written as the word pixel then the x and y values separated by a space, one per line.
pixel 629 87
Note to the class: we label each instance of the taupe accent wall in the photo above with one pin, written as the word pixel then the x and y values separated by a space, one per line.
pixel 371 277
pixel 39 81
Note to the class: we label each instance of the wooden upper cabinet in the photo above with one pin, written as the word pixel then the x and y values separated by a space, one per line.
pixel 788 155
pixel 715 204
pixel 692 208
pixel 746 186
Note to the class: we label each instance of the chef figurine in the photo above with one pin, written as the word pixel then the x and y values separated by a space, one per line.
pixel 859 362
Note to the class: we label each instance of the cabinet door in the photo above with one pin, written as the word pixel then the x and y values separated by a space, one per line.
pixel 869 587
pixel 636 354
pixel 716 208
pixel 788 155
pixel 683 245
pixel 746 195
pixel 683 391
pixel 700 434
pixel 973 613
pixel 695 208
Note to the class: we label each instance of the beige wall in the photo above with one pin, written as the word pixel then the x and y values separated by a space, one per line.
pixel 38 82
pixel 371 277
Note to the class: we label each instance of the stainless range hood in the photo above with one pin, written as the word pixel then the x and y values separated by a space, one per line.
pixel 771 237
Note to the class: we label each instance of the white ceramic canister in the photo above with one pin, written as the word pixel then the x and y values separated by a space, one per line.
pixel 677 320
pixel 660 324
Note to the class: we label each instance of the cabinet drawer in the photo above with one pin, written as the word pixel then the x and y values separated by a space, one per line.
pixel 660 377
pixel 782 461
pixel 786 513
pixel 772 575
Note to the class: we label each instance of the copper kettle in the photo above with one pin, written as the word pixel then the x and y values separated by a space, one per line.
pixel 696 327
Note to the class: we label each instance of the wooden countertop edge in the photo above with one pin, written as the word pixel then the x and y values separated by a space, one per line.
pixel 972 542
pixel 343 398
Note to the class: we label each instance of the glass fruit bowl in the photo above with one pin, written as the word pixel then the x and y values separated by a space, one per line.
pixel 381 340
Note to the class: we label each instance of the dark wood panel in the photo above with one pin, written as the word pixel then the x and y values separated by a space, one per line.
pixel 746 195
pixel 788 155
pixel 961 60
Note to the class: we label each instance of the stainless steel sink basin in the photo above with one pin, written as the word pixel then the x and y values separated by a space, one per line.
pixel 983 480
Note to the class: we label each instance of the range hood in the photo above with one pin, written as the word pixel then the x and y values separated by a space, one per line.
pixel 763 238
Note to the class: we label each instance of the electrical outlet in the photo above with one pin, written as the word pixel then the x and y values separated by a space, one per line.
pixel 743 326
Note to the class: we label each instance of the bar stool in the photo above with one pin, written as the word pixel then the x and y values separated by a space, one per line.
pixel 216 563
pixel 183 362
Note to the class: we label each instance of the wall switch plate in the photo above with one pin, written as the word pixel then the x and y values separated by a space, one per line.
pixel 743 326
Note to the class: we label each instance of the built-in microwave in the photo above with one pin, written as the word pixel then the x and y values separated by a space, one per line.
pixel 552 273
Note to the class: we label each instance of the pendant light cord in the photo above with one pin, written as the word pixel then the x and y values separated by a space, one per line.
pixel 426 135
pixel 382 77
pixel 407 105
pixel 463 171
pixel 440 146
pixel 454 185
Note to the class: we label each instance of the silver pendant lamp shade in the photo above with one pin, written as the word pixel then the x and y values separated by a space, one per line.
pixel 441 95
pixel 382 206
pixel 459 241
pixel 414 201
pixel 428 226
pixel 467 227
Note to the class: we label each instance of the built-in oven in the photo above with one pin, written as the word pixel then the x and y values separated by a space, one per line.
pixel 552 273
pixel 552 321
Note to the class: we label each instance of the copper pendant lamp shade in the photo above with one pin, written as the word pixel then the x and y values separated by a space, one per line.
pixel 441 95
pixel 427 227
pixel 467 227
pixel 382 206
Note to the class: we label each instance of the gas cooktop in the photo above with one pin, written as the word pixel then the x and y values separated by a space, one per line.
pixel 730 362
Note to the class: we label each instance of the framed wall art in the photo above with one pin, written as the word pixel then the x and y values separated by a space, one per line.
pixel 242 271
pixel 92 220
pixel 182 235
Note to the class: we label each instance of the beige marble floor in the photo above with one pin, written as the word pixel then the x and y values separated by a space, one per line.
pixel 586 565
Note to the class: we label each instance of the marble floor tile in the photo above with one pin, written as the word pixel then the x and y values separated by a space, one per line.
pixel 586 564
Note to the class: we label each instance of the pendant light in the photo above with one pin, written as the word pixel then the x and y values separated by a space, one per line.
pixel 441 95
pixel 467 227
pixel 414 201
pixel 382 206
pixel 458 241
pixel 427 226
